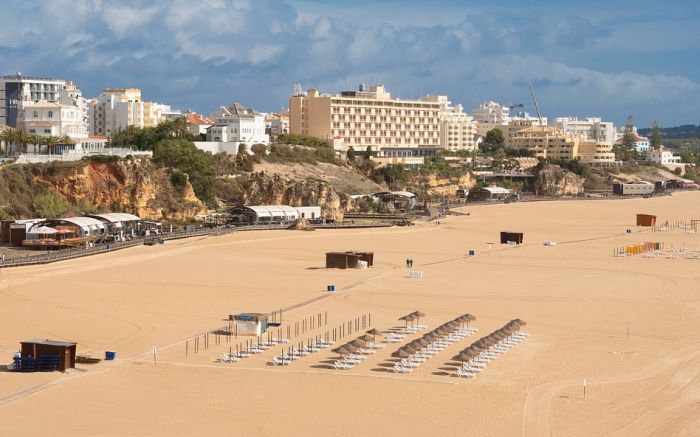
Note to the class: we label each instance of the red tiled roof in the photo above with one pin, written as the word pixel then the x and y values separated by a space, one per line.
pixel 199 119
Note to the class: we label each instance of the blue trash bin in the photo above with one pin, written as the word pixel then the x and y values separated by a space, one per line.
pixel 110 355
pixel 471 253
pixel 331 288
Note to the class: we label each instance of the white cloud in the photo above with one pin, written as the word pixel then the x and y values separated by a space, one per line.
pixel 121 19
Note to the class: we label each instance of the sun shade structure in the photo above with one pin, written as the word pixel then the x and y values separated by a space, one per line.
pixel 646 220
pixel 516 237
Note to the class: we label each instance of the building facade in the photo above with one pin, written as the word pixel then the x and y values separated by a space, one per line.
pixel 367 118
pixel 591 129
pixel 277 124
pixel 457 128
pixel 547 142
pixel 236 123
pixel 53 119
pixel 17 90
pixel 663 157
pixel 117 108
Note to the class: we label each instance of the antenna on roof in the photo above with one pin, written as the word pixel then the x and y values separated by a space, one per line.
pixel 297 90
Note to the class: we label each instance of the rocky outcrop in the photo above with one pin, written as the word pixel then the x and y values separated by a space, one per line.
pixel 431 185
pixel 136 186
pixel 552 180
pixel 263 188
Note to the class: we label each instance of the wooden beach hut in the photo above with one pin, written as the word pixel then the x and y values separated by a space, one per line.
pixel 646 220
pixel 348 260
pixel 47 355
pixel 250 323
pixel 516 237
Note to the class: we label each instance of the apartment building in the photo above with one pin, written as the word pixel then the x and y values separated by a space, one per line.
pixel 53 119
pixel 117 108
pixel 547 142
pixel 16 90
pixel 368 117
pixel 457 128
pixel 277 124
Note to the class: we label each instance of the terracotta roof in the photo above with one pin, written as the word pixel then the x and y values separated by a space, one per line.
pixel 199 120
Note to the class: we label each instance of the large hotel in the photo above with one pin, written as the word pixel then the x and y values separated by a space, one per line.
pixel 368 118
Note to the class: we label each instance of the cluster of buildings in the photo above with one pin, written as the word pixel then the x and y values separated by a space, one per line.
pixel 50 107
pixel 397 131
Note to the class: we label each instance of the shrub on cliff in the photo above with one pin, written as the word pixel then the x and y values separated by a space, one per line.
pixel 183 156
pixel 49 205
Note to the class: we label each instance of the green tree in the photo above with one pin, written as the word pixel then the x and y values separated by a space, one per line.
pixel 655 138
pixel 368 153
pixel 503 162
pixel 627 151
pixel 493 141
pixel 351 154
pixel 48 204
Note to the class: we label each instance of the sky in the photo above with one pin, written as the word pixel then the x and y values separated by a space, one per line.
pixel 593 58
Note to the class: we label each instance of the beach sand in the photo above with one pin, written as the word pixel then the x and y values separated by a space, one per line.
pixel 628 325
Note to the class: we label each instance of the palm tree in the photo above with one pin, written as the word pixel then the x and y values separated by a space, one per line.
pixel 179 127
pixel 7 137
pixel 36 140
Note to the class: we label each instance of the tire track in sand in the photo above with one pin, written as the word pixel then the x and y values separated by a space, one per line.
pixel 536 419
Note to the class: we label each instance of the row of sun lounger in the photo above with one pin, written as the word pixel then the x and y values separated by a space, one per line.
pixel 430 349
pixel 285 358
pixel 257 348
pixel 476 364
pixel 349 361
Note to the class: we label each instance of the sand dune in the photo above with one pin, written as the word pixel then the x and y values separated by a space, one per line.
pixel 577 298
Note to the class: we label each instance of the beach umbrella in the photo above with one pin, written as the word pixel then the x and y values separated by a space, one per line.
pixel 407 318
pixel 418 315
pixel 357 343
pixel 374 333
pixel 402 353
pixel 365 338
pixel 341 350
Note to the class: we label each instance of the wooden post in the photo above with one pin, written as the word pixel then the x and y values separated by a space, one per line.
pixel 326 318
pixel 187 347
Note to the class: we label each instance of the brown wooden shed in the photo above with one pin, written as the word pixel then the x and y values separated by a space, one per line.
pixel 646 220
pixel 348 260
pixel 516 237
pixel 39 349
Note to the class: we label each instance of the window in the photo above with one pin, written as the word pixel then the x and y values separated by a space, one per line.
pixel 50 114
pixel 47 131
pixel 36 114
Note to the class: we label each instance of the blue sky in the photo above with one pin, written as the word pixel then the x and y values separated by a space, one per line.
pixel 593 58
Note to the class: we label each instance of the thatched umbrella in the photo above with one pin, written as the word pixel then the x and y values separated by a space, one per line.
pixel 402 353
pixel 357 343
pixel 365 338
pixel 408 318
pixel 418 315
pixel 374 333
pixel 341 350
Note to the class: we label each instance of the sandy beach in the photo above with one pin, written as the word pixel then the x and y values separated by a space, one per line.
pixel 628 325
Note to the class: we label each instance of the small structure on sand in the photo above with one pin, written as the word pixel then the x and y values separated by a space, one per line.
pixel 515 237
pixel 249 323
pixel 488 194
pixel 349 260
pixel 45 355
pixel 646 220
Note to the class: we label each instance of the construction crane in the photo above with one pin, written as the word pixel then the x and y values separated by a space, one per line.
pixel 537 107
pixel 515 105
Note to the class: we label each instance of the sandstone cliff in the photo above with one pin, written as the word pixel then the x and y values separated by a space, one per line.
pixel 552 180
pixel 262 188
pixel 431 185
pixel 136 186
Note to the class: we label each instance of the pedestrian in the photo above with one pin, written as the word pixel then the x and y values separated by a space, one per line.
pixel 408 262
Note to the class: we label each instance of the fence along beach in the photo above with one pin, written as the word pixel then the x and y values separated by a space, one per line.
pixel 628 325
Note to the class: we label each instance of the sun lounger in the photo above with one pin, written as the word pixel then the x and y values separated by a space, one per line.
pixel 462 373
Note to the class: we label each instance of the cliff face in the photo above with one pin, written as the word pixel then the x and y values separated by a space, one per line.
pixel 274 189
pixel 432 185
pixel 552 180
pixel 136 186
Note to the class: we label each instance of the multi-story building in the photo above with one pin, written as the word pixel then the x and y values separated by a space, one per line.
pixel 590 129
pixel 17 90
pixel 368 118
pixel 663 156
pixel 457 128
pixel 547 142
pixel 491 112
pixel 117 108
pixel 640 144
pixel 238 124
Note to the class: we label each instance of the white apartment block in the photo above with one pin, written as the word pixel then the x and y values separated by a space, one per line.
pixel 368 118
pixel 277 124
pixel 236 123
pixel 457 128
pixel 116 108
pixel 491 112
pixel 590 129
pixel 663 157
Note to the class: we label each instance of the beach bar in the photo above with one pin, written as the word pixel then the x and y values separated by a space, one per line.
pixel 46 355
pixel 250 323
pixel 646 220
pixel 349 260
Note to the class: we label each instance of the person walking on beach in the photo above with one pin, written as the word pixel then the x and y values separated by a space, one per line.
pixel 408 263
